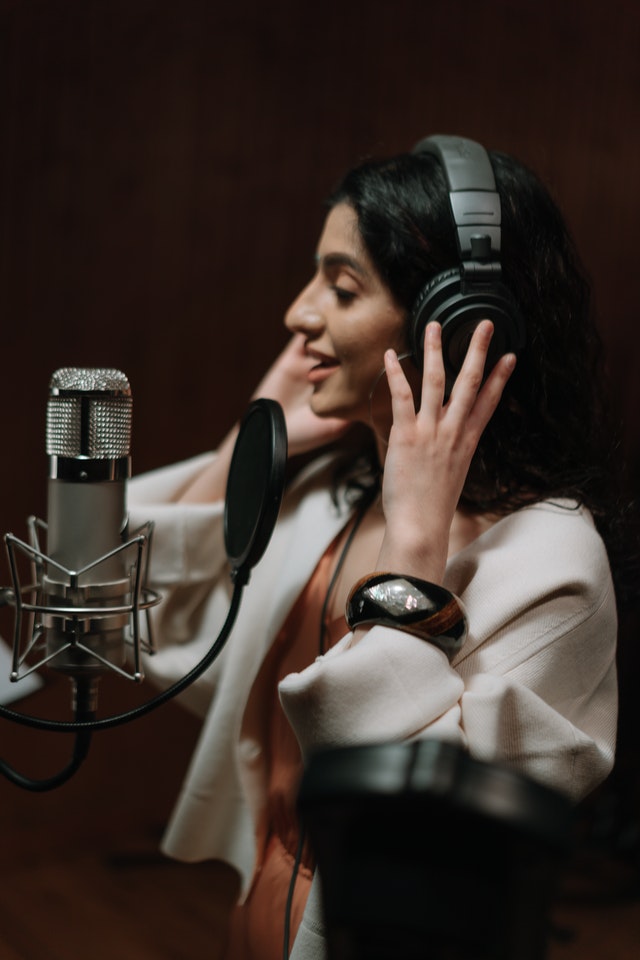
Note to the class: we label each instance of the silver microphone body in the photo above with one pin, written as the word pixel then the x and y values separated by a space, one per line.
pixel 86 578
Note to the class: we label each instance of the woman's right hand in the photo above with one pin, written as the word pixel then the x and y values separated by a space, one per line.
pixel 286 381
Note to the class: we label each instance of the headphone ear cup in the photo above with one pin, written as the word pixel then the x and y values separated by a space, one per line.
pixel 459 313
pixel 425 307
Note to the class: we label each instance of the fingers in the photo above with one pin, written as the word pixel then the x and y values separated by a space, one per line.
pixel 471 375
pixel 432 389
pixel 473 387
pixel 470 378
pixel 489 397
pixel 402 401
pixel 433 376
pixel 294 357
pixel 473 398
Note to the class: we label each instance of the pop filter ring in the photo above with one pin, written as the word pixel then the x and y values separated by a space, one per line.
pixel 254 486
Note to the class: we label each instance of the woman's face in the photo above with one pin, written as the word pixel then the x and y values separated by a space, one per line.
pixel 348 318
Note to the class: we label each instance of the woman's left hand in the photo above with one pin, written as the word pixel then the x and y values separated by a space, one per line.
pixel 429 452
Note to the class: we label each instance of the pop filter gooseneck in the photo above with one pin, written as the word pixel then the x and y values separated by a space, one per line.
pixel 252 503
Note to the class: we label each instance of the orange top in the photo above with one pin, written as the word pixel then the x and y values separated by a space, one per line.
pixel 257 925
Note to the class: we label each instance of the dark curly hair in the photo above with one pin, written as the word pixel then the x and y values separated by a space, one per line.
pixel 550 435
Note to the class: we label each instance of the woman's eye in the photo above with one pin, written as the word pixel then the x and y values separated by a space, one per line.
pixel 344 296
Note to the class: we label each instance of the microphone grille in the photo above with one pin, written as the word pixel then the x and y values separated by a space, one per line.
pixel 89 414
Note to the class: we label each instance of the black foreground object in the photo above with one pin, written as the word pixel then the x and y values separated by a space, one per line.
pixel 427 854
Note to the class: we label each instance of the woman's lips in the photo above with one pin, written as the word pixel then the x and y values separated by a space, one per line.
pixel 323 368
pixel 321 372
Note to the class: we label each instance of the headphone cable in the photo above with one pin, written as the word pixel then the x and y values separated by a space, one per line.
pixel 292 886
pixel 364 505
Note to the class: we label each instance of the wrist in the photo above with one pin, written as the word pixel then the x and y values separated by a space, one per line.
pixel 414 555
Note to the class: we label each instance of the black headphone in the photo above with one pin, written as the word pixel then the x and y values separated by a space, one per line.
pixel 460 297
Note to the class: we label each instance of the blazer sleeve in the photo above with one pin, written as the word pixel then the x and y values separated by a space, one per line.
pixel 188 541
pixel 535 685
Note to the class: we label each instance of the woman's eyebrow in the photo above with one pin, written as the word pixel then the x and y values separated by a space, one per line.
pixel 340 260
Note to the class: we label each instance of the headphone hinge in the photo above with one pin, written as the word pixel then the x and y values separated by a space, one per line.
pixel 473 273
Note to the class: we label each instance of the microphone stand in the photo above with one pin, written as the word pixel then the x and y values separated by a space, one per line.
pixel 84 704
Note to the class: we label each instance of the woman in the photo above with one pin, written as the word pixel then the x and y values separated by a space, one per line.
pixel 490 491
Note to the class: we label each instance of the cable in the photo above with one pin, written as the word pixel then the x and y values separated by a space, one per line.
pixel 292 886
pixel 84 708
pixel 367 500
pixel 80 751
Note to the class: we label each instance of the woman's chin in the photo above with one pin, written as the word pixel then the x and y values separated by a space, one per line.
pixel 331 398
pixel 325 408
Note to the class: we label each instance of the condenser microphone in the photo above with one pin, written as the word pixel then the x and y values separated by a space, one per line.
pixel 86 583
pixel 88 586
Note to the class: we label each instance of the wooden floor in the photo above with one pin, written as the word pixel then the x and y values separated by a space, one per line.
pixel 81 876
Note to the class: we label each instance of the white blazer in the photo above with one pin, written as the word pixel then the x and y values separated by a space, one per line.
pixel 534 685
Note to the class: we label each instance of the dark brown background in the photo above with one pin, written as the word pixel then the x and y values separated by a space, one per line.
pixel 162 167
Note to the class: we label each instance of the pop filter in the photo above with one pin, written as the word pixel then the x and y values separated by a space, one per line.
pixel 255 486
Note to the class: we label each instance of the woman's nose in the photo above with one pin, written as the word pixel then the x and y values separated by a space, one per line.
pixel 304 315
